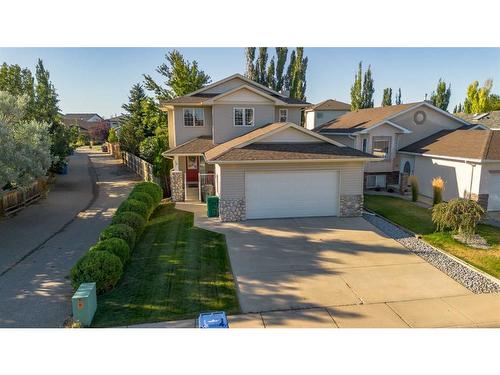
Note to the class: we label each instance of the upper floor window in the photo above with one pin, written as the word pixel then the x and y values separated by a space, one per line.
pixel 365 145
pixel 243 116
pixel 381 147
pixel 283 115
pixel 194 117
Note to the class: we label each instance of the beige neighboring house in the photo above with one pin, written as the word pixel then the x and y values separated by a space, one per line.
pixel 327 110
pixel 422 140
pixel 241 141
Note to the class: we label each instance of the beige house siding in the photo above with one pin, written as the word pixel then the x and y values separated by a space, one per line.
pixel 186 133
pixel 171 129
pixel 290 135
pixel 232 176
pixel 224 128
pixel 434 122
pixel 293 115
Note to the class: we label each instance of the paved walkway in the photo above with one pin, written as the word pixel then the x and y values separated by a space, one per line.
pixel 41 243
pixel 331 272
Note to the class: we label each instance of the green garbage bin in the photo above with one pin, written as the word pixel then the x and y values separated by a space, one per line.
pixel 212 206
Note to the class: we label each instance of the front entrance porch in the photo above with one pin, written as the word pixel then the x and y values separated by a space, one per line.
pixel 192 179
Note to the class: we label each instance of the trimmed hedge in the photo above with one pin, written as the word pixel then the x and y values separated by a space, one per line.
pixel 152 189
pixel 101 267
pixel 136 206
pixel 144 198
pixel 115 246
pixel 122 231
pixel 132 219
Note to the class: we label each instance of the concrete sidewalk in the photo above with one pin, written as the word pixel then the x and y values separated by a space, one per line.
pixel 471 311
pixel 42 243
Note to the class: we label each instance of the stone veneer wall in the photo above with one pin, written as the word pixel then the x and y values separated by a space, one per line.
pixel 232 209
pixel 177 185
pixel 351 205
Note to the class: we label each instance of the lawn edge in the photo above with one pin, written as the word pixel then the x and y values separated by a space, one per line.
pixel 451 256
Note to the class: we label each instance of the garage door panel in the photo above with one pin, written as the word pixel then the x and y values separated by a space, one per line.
pixel 280 194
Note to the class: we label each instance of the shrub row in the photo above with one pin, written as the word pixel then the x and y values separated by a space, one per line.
pixel 105 261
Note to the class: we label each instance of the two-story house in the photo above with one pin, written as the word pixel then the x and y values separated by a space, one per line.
pixel 423 140
pixel 241 141
pixel 323 112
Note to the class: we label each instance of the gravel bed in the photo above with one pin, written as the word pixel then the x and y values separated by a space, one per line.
pixel 471 279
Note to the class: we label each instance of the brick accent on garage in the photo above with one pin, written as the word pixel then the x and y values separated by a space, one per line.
pixel 351 205
pixel 232 209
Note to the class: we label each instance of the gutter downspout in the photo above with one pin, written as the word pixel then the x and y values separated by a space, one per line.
pixel 471 177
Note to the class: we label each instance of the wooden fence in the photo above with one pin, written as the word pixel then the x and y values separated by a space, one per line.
pixel 139 166
pixel 114 149
pixel 13 200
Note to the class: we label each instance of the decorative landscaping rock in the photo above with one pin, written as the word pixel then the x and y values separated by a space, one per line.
pixel 475 241
pixel 351 205
pixel 468 277
pixel 232 209
pixel 177 186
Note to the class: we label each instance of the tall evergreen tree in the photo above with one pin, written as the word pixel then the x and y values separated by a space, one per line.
pixel 281 56
pixel 357 89
pixel 368 89
pixel 298 75
pixel 398 97
pixel 250 68
pixel 387 97
pixel 181 77
pixel 262 64
pixel 132 130
pixel 271 79
pixel 289 71
pixel 441 97
pixel 46 99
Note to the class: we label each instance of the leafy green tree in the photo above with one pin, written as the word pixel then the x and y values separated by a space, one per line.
pixel 261 66
pixel 281 56
pixel 387 97
pixel 297 76
pixel 46 98
pixel 132 130
pixel 181 77
pixel 250 68
pixel 398 97
pixel 19 82
pixel 460 108
pixel 357 90
pixel 368 89
pixel 455 109
pixel 494 102
pixel 271 79
pixel 112 136
pixel 478 99
pixel 441 97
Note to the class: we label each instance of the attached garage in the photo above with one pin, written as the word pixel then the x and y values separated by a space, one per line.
pixel 281 194
pixel 494 192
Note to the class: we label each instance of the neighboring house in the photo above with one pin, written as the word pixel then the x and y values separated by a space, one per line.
pixel 89 124
pixel 115 122
pixel 240 140
pixel 394 131
pixel 489 119
pixel 321 113
pixel 468 160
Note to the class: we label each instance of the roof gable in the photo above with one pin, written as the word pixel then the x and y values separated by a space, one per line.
pixel 244 94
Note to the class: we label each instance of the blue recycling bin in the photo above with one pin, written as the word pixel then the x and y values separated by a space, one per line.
pixel 216 319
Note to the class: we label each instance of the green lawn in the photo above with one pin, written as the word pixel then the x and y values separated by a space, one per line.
pixel 176 271
pixel 418 220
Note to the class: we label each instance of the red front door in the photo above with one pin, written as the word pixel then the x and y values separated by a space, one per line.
pixel 192 168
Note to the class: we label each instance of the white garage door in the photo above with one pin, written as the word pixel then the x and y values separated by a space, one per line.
pixel 494 192
pixel 291 194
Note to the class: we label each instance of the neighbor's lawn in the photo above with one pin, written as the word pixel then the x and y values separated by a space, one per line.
pixel 176 271
pixel 418 220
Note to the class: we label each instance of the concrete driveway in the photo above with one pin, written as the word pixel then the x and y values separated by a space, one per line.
pixel 319 272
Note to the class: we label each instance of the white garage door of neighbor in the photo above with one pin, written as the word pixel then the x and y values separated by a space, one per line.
pixel 494 192
pixel 278 194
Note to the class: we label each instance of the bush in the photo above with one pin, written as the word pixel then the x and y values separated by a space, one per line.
pixel 412 180
pixel 101 267
pixel 115 246
pixel 151 188
pixel 136 206
pixel 122 231
pixel 437 190
pixel 132 219
pixel 145 198
pixel 460 215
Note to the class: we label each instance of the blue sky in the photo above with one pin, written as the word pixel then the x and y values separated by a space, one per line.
pixel 98 79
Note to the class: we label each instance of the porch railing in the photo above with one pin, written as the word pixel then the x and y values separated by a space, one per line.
pixel 206 185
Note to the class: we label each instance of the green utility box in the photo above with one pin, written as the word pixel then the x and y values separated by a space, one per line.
pixel 84 304
pixel 212 206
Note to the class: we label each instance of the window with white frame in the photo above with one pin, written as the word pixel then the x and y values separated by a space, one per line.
pixel 243 116
pixel 283 115
pixel 376 181
pixel 381 147
pixel 194 117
